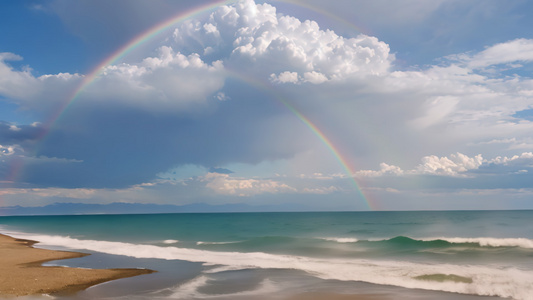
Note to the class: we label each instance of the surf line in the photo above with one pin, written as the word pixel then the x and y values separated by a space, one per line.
pixel 343 162
pixel 155 30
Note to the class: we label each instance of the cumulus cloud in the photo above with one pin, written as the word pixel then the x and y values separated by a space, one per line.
pixel 285 77
pixel 457 165
pixel 13 83
pixel 453 165
pixel 225 184
pixel 170 80
pixel 45 93
pixel 283 48
pixel 385 169
pixel 525 158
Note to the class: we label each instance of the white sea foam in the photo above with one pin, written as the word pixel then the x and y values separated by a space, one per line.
pixel 482 241
pixel 488 281
pixel 487 241
pixel 215 243
pixel 170 241
pixel 219 269
pixel 340 240
pixel 191 288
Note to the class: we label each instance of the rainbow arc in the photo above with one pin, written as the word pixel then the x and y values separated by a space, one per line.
pixel 182 16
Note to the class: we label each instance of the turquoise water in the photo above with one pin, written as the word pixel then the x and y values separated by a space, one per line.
pixel 408 255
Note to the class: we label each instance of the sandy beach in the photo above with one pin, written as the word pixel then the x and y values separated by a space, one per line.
pixel 21 272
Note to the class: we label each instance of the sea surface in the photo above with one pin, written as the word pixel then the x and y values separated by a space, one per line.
pixel 398 255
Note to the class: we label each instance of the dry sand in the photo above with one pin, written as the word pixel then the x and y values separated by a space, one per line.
pixel 21 272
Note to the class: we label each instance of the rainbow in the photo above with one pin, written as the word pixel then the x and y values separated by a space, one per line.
pixel 157 29
pixel 127 48
pixel 336 153
pixel 346 166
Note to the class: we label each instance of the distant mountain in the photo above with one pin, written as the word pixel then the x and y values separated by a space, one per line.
pixel 136 208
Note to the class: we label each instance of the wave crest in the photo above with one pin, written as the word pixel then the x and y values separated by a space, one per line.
pixel 488 241
pixel 340 240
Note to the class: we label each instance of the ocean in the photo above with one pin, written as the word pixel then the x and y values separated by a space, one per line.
pixel 398 255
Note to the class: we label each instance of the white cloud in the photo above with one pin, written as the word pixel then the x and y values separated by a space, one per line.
pixel 454 165
pixel 320 176
pixel 436 111
pixel 285 77
pixel 9 150
pixel 6 56
pixel 227 185
pixel 44 93
pixel 451 166
pixel 524 158
pixel 256 36
pixel 14 128
pixel 51 192
pixel 519 50
pixel 168 81
pixel 457 165
pixel 13 83
pixel 221 96
pixel 321 190
pixel 385 169
pixel 315 77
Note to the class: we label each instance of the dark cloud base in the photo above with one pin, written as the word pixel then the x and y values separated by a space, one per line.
pixel 117 147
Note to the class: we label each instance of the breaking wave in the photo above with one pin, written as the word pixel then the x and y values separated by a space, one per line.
pixel 476 280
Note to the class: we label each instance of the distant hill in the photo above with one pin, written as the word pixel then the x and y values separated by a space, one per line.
pixel 136 208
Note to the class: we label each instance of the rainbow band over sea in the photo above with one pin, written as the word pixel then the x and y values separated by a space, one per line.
pixel 154 31
pixel 342 161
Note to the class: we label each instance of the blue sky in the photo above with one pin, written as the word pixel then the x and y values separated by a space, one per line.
pixel 425 104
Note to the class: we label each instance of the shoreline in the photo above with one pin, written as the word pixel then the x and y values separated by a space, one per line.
pixel 22 273
pixel 335 296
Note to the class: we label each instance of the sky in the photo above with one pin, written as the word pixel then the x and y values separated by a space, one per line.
pixel 337 105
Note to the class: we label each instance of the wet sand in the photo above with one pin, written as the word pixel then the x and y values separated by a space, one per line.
pixel 333 296
pixel 21 272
